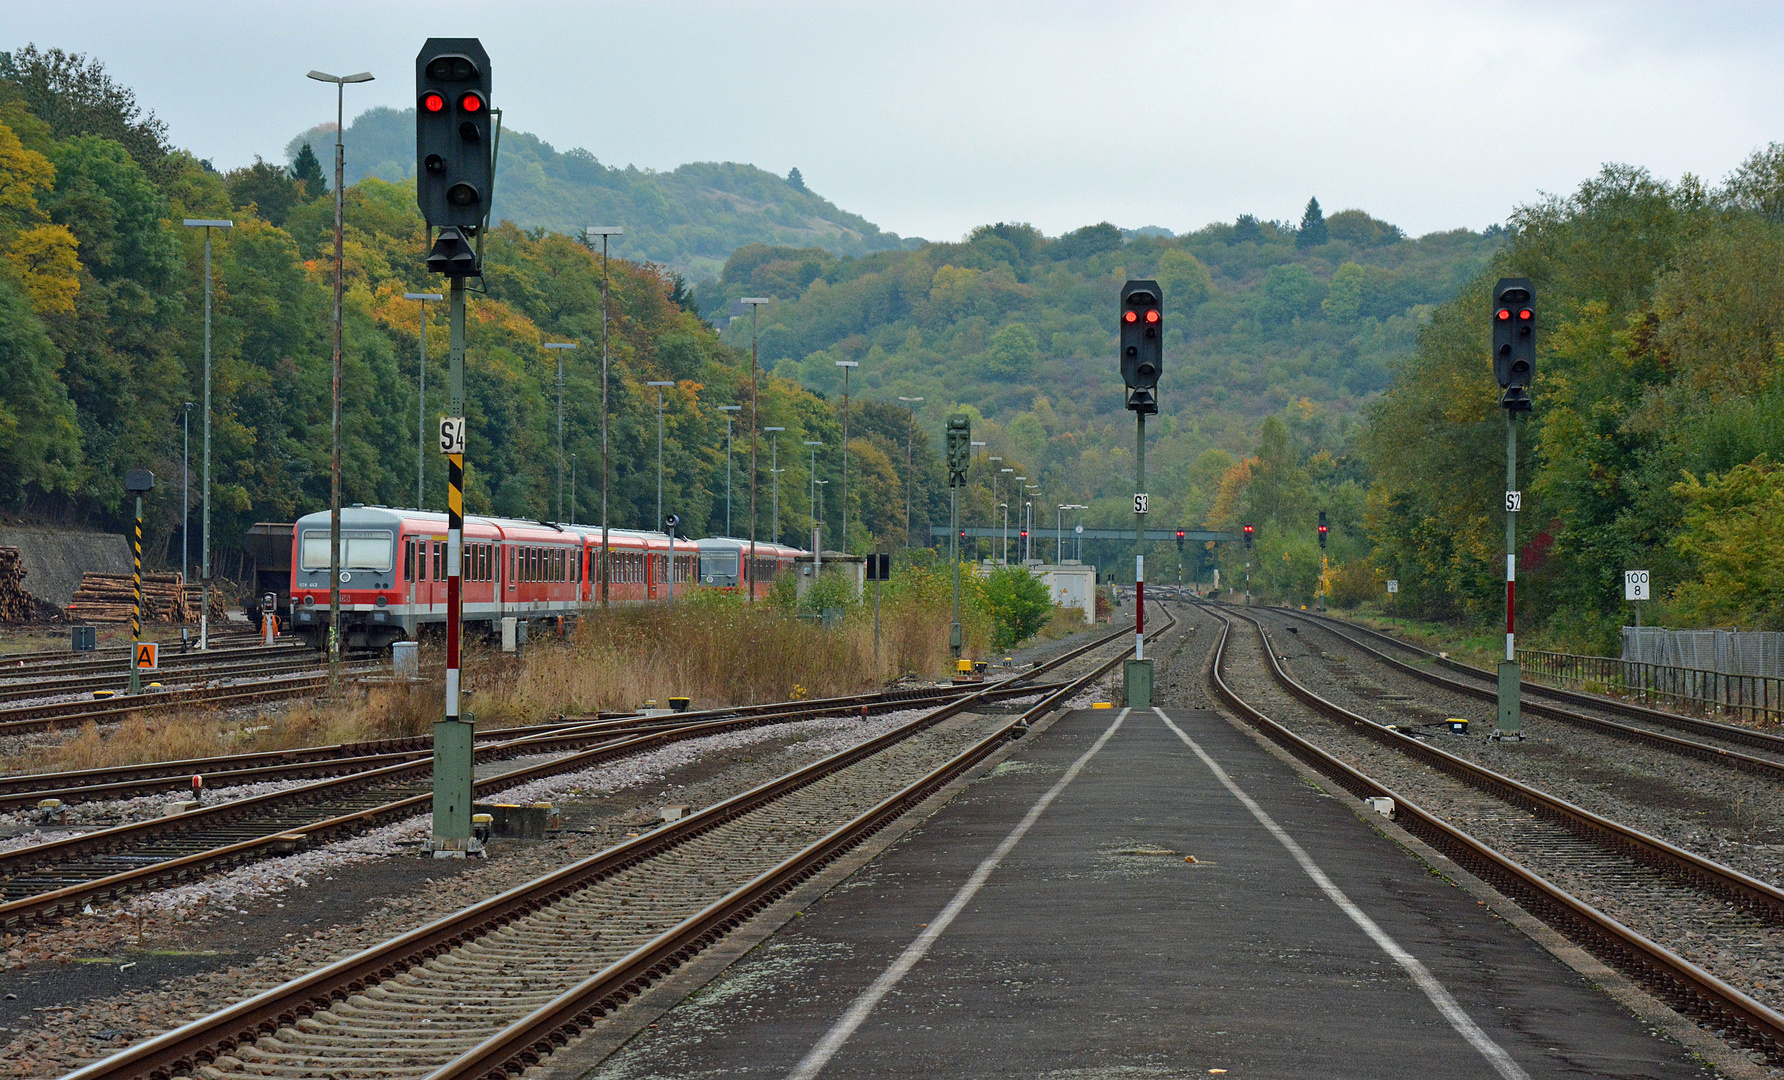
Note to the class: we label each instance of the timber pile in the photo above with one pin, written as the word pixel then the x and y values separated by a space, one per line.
pixel 195 601
pixel 17 605
pixel 108 598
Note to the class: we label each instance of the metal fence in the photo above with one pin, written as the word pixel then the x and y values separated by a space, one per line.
pixel 1712 694
pixel 1727 652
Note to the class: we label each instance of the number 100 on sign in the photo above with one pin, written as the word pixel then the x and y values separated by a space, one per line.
pixel 1635 584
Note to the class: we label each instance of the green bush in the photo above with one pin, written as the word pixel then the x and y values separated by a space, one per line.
pixel 1017 602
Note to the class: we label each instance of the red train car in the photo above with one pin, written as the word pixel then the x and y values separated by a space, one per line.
pixel 394 562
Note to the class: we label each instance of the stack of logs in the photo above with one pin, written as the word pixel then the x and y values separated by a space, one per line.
pixel 17 605
pixel 108 598
pixel 195 602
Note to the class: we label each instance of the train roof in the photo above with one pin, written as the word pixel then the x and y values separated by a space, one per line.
pixel 360 516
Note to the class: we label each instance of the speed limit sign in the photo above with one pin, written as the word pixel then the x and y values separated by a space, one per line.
pixel 452 434
pixel 1635 585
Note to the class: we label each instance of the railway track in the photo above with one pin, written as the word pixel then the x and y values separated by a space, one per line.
pixel 30 719
pixel 1653 727
pixel 1685 927
pixel 493 988
pixel 74 787
pixel 61 876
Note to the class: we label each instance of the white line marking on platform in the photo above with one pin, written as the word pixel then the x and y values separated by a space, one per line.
pixel 839 1033
pixel 1439 995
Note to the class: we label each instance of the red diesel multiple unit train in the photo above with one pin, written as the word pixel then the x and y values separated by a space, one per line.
pixel 393 571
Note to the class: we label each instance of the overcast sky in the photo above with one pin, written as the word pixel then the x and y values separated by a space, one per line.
pixel 929 119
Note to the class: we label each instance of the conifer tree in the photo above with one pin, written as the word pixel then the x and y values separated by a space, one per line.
pixel 1312 232
pixel 306 170
pixel 796 180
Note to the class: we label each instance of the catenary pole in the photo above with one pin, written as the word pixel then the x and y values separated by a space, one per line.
pixel 421 405
pixel 910 441
pixel 204 555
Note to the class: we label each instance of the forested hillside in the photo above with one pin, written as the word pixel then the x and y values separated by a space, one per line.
pixel 690 219
pixel 101 335
pixel 1656 441
pixel 1263 319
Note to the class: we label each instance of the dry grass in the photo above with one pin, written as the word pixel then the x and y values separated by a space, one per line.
pixel 714 649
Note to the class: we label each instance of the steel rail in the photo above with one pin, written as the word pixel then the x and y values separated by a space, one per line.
pixel 1733 733
pixel 33 719
pixel 1684 747
pixel 72 786
pixel 85 663
pixel 529 1040
pixel 1685 987
pixel 203 1040
pixel 169 678
pixel 285 838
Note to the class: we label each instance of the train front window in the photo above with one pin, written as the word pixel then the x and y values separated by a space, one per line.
pixel 718 567
pixel 366 549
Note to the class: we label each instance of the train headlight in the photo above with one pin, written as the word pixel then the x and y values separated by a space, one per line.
pixel 381 601
pixel 310 601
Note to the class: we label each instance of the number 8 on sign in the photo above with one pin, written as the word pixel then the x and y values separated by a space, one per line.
pixel 452 435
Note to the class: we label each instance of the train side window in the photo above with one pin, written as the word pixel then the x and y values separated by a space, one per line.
pixel 482 562
pixel 408 558
pixel 510 568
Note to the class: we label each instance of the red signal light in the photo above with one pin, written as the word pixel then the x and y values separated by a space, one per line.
pixel 1152 316
pixel 1131 316
pixel 1504 314
pixel 1524 314
pixel 432 102
pixel 471 102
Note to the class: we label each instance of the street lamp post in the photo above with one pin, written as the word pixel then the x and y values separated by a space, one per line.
pixel 774 471
pixel 185 497
pixel 847 366
pixel 572 489
pixel 204 570
pixel 755 303
pixel 910 439
pixel 604 231
pixel 659 384
pixel 728 410
pixel 1021 551
pixel 558 347
pixel 1005 559
pixel 421 409
pixel 817 538
pixel 334 499
pixel 993 499
pixel 996 473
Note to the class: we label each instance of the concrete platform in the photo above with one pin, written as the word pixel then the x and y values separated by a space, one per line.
pixel 1047 923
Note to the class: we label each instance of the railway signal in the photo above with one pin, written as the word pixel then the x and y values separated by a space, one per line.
pixel 1141 328
pixel 1514 366
pixel 960 453
pixel 1322 530
pixel 454 182
pixel 1514 341
pixel 1142 343
pixel 454 168
pixel 1249 530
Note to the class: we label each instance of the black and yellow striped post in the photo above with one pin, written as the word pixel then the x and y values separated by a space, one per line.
pixel 137 482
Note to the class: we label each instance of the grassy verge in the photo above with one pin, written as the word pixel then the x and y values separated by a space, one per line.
pixel 712 648
pixel 1482 647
